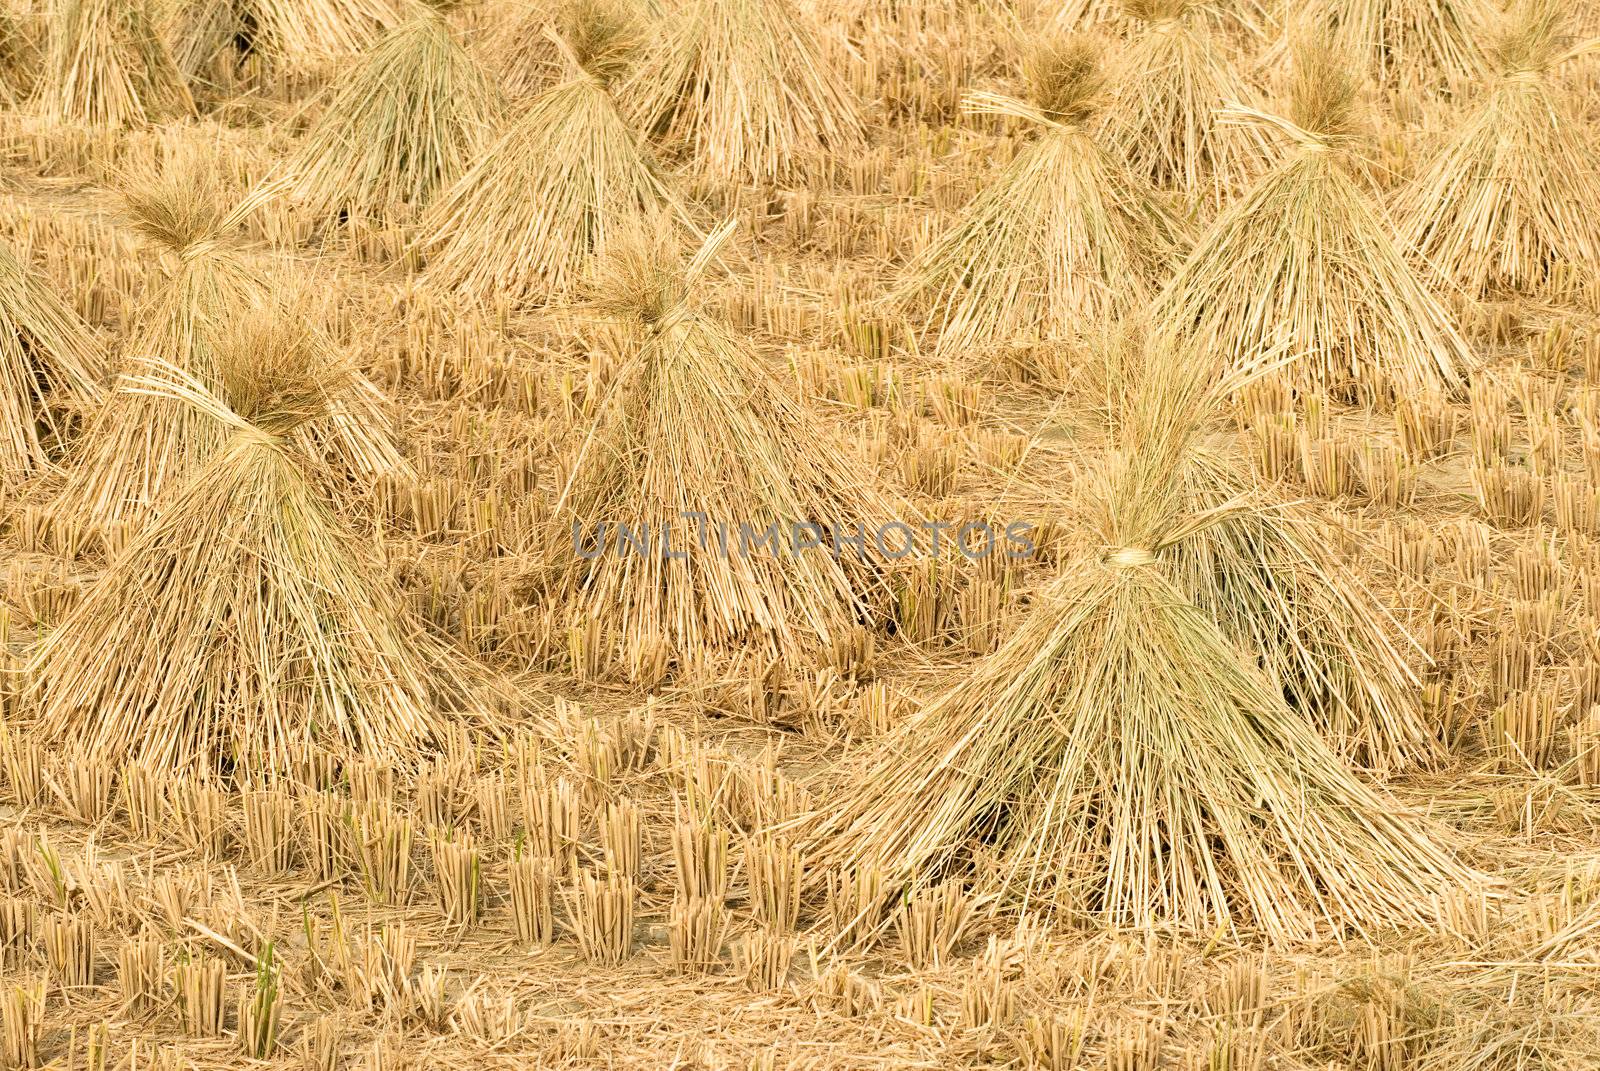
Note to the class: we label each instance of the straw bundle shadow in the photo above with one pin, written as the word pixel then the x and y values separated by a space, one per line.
pixel 1427 41
pixel 742 89
pixel 288 35
pixel 1064 238
pixel 51 367
pixel 1509 200
pixel 1118 761
pixel 139 442
pixel 1171 79
pixel 694 424
pixel 1306 264
pixel 109 66
pixel 263 634
pixel 404 124
pixel 550 192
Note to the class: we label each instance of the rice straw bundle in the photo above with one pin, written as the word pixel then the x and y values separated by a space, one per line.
pixel 527 59
pixel 1512 195
pixel 1306 263
pixel 50 362
pixel 16 53
pixel 741 86
pixel 1064 239
pixel 1117 760
pixel 139 442
pixel 262 634
pixel 1252 19
pixel 404 124
pixel 109 66
pixel 287 34
pixel 524 221
pixel 695 424
pixel 1171 79
pixel 1265 573
pixel 1263 569
pixel 1427 41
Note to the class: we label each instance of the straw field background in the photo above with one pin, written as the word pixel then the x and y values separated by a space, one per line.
pixel 332 331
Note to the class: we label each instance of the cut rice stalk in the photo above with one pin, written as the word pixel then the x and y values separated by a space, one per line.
pixel 1120 764
pixel 139 443
pixel 289 35
pixel 1171 79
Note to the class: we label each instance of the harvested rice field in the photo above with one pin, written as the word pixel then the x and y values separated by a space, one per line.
pixel 738 535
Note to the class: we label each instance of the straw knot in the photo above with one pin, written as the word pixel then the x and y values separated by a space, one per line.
pixel 1130 557
pixel 196 250
pixel 1523 77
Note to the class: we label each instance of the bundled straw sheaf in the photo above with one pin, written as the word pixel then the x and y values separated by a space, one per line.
pixel 1250 19
pixel 1064 239
pixel 523 222
pixel 1263 569
pixel 51 369
pixel 1508 204
pixel 695 424
pixel 527 59
pixel 1265 573
pixel 263 634
pixel 288 35
pixel 1171 80
pixel 109 66
pixel 1120 760
pixel 404 124
pixel 140 442
pixel 742 88
pixel 1420 41
pixel 1306 264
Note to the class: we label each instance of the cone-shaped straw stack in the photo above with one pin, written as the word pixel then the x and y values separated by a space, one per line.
pixel 1425 41
pixel 262 634
pixel 405 123
pixel 1264 572
pixel 110 66
pixel 289 35
pixel 696 425
pixel 742 87
pixel 1249 18
pixel 50 362
pixel 1066 238
pixel 1171 80
pixel 1306 265
pixel 139 442
pixel 1510 201
pixel 526 219
pixel 1117 760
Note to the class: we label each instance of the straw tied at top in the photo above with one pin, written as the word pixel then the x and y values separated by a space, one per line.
pixel 974 540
